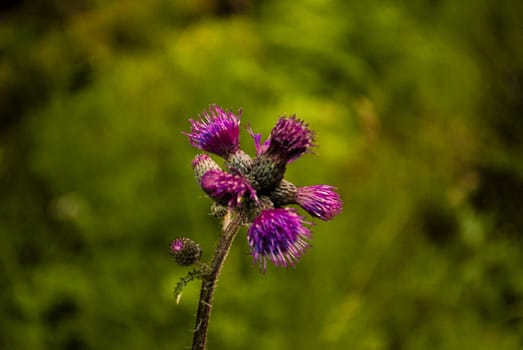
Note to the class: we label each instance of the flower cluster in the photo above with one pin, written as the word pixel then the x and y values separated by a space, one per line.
pixel 257 185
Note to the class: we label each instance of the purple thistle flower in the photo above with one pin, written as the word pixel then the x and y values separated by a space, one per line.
pixel 278 235
pixel 289 139
pixel 227 188
pixel 321 201
pixel 217 131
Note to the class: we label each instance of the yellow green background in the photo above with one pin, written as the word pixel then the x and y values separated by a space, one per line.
pixel 417 106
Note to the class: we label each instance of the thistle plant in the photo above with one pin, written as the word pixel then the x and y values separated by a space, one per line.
pixel 250 192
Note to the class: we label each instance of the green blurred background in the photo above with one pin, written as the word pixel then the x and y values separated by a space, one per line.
pixel 418 111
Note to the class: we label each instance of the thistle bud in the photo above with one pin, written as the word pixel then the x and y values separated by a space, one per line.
pixel 218 210
pixel 201 164
pixel 185 251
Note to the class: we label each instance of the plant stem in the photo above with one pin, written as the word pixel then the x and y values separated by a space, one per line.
pixel 232 223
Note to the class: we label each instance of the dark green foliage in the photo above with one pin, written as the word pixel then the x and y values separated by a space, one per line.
pixel 417 107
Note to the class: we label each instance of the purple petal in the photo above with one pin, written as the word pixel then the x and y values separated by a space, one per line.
pixel 321 201
pixel 278 235
pixel 227 188
pixel 177 245
pixel 260 148
pixel 290 138
pixel 217 131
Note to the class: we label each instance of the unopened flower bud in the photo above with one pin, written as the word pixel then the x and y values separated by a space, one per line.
pixel 218 210
pixel 201 164
pixel 185 251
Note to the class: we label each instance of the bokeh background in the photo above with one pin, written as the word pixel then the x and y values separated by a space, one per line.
pixel 417 107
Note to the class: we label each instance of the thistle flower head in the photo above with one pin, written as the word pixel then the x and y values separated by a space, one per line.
pixel 217 131
pixel 227 188
pixel 278 235
pixel 321 201
pixel 289 139
pixel 185 251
